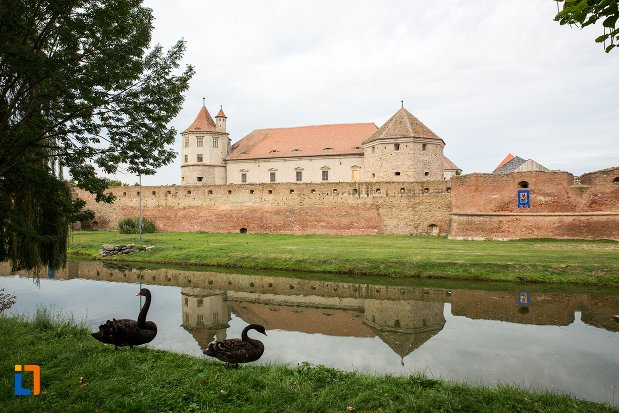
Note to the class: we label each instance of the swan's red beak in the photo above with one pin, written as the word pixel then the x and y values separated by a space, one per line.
pixel 138 293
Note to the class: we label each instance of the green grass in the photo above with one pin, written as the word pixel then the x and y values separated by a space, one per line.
pixel 79 374
pixel 548 261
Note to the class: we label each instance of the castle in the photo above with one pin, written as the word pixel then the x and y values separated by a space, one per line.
pixel 355 179
pixel 402 150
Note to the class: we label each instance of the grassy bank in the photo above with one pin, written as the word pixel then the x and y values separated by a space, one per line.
pixel 80 374
pixel 553 261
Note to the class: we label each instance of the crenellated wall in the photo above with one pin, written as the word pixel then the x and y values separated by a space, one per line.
pixel 333 208
pixel 475 206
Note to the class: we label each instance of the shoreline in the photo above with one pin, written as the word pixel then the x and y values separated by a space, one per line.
pixel 80 374
pixel 574 262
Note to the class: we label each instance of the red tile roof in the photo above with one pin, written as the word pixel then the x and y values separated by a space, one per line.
pixel 221 113
pixel 402 125
pixel 447 164
pixel 202 123
pixel 344 139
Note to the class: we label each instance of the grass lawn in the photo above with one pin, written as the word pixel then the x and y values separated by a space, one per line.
pixel 79 374
pixel 551 261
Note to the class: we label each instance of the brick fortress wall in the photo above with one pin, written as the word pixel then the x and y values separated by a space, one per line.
pixel 561 206
pixel 326 208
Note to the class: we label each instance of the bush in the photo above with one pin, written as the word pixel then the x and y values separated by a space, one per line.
pixel 132 225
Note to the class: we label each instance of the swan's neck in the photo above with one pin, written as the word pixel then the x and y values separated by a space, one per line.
pixel 244 336
pixel 143 311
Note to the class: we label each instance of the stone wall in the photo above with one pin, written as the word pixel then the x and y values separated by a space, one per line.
pixel 415 159
pixel 561 205
pixel 330 208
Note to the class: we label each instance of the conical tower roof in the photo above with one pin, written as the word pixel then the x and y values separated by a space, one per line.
pixel 221 113
pixel 202 123
pixel 402 125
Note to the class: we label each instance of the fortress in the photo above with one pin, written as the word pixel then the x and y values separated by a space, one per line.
pixel 352 179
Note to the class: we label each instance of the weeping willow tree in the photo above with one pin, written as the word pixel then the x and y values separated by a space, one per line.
pixel 80 88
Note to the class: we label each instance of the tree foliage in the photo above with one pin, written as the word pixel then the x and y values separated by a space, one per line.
pixel 583 13
pixel 80 89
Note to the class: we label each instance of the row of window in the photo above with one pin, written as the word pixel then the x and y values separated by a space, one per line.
pixel 298 176
pixel 200 141
pixel 199 158
pixel 396 147
pixel 354 191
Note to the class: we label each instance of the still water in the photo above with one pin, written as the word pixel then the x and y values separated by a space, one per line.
pixel 566 342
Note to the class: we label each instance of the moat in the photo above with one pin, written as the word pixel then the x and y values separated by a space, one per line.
pixel 561 341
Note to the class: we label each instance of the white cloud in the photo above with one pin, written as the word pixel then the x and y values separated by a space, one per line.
pixel 489 77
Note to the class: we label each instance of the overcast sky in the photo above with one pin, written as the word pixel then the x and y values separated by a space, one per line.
pixel 489 77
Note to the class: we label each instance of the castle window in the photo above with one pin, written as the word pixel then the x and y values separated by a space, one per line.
pixel 154 193
pixel 377 190
pixel 229 192
pixel 334 191
pixel 616 181
pixel 292 191
pixel 215 142
pixel 424 146
pixel 186 301
pixel 523 184
pixel 313 191
pixel 244 177
pixel 199 141
pixel 199 178
pixel 426 190
pixel 124 194
pixel 373 149
pixel 188 192
pixel 199 157
pixel 200 319
pixel 200 302
pixel 270 191
pixel 272 177
pixel 210 192
pixel 402 190
pixel 448 189
pixel 299 176
pixel 169 192
pixel 325 175
pixel 186 158
pixel 354 191
pixel 186 141
pixel 426 173
pixel 397 173
pixel 251 191
pixel 396 146
pixel 138 193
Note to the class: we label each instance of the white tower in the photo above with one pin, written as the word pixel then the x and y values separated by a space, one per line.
pixel 205 145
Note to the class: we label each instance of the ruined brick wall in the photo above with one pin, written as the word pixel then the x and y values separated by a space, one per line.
pixel 331 208
pixel 562 206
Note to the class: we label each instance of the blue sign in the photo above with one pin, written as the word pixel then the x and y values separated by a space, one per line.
pixel 524 199
pixel 524 298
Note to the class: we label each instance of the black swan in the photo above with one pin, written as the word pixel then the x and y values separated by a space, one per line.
pixel 234 351
pixel 129 332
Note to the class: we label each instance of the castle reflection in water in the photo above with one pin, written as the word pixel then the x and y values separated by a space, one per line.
pixel 402 317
